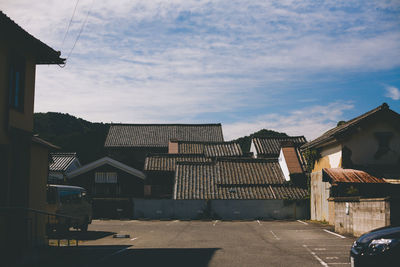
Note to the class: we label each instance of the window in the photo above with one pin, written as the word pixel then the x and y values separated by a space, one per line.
pixel 17 83
pixel 105 178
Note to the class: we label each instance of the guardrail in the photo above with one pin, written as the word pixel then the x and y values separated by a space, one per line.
pixel 30 219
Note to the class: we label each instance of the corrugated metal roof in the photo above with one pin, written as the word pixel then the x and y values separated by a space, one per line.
pixel 61 161
pixel 21 39
pixel 158 135
pixel 342 129
pixel 270 146
pixel 210 149
pixel 167 162
pixel 339 175
pixel 233 179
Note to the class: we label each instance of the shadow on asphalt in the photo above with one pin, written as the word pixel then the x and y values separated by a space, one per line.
pixel 122 256
pixel 78 235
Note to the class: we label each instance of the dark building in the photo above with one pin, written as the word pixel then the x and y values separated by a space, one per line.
pixel 111 184
pixel 130 143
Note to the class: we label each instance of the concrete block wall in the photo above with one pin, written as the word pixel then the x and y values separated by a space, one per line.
pixel 221 209
pixel 358 216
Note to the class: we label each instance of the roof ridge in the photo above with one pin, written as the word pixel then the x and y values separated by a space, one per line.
pixel 279 137
pixel 246 159
pixel 174 155
pixel 194 163
pixel 165 124
pixel 207 142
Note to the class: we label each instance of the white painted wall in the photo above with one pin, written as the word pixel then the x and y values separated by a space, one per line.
pixel 334 154
pixel 284 167
pixel 253 149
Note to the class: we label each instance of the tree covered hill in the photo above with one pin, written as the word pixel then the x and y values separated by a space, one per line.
pixel 245 141
pixel 87 138
pixel 72 134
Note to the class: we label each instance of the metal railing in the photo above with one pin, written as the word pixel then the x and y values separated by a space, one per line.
pixel 30 220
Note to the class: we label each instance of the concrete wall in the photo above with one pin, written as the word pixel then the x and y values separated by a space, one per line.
pixel 221 209
pixel 358 216
pixel 319 197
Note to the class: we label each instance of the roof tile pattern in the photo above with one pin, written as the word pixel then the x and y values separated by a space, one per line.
pixel 249 171
pixel 158 135
pixel 210 149
pixel 167 162
pixel 339 175
pixel 61 161
pixel 271 146
pixel 204 181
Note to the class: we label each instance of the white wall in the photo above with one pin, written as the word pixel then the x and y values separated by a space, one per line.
pixel 253 149
pixel 284 167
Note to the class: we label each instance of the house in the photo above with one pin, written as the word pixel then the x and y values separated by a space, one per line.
pixel 363 148
pixel 23 156
pixel 160 168
pixel 270 147
pixel 60 164
pixel 111 184
pixel 241 188
pixel 130 143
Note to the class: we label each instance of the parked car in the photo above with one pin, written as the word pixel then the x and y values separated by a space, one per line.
pixel 72 203
pixel 380 247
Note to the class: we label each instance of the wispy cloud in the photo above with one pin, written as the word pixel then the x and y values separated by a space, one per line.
pixel 310 122
pixel 182 60
pixel 392 92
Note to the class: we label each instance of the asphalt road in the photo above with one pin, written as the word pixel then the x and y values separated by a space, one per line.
pixel 207 243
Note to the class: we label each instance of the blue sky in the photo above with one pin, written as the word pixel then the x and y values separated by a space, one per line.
pixel 292 66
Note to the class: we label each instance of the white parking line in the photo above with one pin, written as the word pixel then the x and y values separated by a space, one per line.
pixel 276 237
pixel 259 222
pixel 334 233
pixel 134 238
pixel 339 263
pixel 315 256
pixel 300 221
pixel 215 222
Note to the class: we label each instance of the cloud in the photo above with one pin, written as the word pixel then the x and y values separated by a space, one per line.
pixel 310 122
pixel 187 61
pixel 392 92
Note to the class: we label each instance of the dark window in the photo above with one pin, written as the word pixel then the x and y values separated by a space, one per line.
pixel 17 83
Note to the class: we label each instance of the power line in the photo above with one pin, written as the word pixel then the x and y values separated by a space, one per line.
pixel 79 34
pixel 69 24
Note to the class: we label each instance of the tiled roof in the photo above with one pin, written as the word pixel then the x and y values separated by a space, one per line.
pixel 292 160
pixel 61 161
pixel 233 179
pixel 167 162
pixel 158 135
pixel 271 146
pixel 339 175
pixel 249 171
pixel 21 39
pixel 344 128
pixel 210 149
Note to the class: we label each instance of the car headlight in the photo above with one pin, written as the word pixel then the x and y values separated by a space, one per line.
pixel 379 246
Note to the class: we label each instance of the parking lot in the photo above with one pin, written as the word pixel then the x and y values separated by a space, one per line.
pixel 209 243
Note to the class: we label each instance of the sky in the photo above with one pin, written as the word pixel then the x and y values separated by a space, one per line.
pixel 292 66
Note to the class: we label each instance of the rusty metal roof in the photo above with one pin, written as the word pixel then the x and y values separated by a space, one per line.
pixel 339 175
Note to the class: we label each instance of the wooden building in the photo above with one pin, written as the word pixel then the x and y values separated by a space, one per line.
pixel 369 143
pixel 23 157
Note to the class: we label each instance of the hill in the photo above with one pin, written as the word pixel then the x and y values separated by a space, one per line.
pixel 245 141
pixel 72 134
pixel 86 138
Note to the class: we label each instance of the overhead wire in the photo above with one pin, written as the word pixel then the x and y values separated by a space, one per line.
pixel 79 34
pixel 69 24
